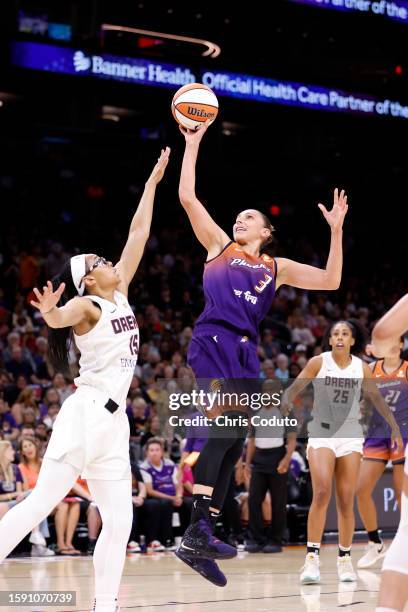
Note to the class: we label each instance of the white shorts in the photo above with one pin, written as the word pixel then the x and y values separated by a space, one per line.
pixel 89 437
pixel 339 446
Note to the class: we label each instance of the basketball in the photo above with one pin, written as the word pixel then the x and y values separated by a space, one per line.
pixel 193 105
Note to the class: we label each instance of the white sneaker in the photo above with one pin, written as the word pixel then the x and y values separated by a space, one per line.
pixel 36 537
pixel 373 553
pixel 155 546
pixel 133 547
pixel 38 550
pixel 311 569
pixel 345 569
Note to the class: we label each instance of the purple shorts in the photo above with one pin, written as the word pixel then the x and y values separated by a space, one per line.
pixel 380 449
pixel 215 352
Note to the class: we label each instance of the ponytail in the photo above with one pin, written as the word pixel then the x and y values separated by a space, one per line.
pixel 59 340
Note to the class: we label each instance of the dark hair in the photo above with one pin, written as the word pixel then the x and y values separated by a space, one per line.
pixel 154 440
pixel 358 332
pixel 59 340
pixel 268 226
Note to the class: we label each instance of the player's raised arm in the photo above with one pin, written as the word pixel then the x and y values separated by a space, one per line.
pixel 211 236
pixel 308 277
pixel 390 328
pixel 140 226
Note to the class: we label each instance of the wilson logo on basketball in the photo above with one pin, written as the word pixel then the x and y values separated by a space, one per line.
pixel 199 112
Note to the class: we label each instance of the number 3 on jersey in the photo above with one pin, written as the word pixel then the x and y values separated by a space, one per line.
pixel 134 344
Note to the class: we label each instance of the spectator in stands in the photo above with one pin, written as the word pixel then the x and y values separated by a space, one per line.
pixel 30 464
pixel 93 517
pixel 164 495
pixel 17 365
pixel 60 384
pixel 301 333
pixel 8 425
pixel 51 415
pixel 152 430
pixel 66 520
pixel 282 371
pixel 41 361
pixel 11 479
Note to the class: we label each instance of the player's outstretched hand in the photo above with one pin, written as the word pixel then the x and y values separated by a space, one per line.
pixel 335 216
pixel 49 298
pixel 159 169
pixel 194 136
pixel 396 439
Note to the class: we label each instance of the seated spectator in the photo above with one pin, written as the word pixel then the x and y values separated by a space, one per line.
pixel 282 371
pixel 187 480
pixel 42 436
pixel 29 417
pixel 300 354
pixel 294 370
pixel 93 517
pixel 51 415
pixel 51 396
pixel 152 430
pixel 11 479
pixel 66 520
pixel 8 425
pixel 60 384
pixel 137 421
pixel 30 464
pixel 139 495
pixel 41 361
pixel 14 340
pixel 301 333
pixel 164 495
pixel 17 365
pixel 267 369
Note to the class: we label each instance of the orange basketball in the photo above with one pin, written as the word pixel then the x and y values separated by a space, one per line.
pixel 193 105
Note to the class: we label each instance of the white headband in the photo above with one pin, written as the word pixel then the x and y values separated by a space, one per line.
pixel 78 271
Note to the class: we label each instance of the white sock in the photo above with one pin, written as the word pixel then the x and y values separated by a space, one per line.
pixel 114 500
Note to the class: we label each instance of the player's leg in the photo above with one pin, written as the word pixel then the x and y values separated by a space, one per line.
pixel 322 463
pixel 54 482
pixel 346 473
pixel 193 551
pixel 394 582
pixel 114 501
pixel 375 456
pixel 257 490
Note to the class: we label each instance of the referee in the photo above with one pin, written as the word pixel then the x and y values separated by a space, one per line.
pixel 269 452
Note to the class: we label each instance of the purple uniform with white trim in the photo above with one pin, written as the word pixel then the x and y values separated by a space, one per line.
pixel 394 389
pixel 239 290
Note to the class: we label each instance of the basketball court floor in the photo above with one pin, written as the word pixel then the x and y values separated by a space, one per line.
pixel 162 583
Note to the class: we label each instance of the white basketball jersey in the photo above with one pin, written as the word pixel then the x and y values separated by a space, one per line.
pixel 109 350
pixel 337 394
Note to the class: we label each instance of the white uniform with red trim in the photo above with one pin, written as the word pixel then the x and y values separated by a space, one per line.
pixel 91 430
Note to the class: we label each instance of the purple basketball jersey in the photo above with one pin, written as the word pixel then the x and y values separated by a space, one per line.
pixel 239 290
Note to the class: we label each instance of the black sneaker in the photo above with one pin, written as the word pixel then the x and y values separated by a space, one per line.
pixel 253 547
pixel 199 542
pixel 272 548
pixel 207 568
